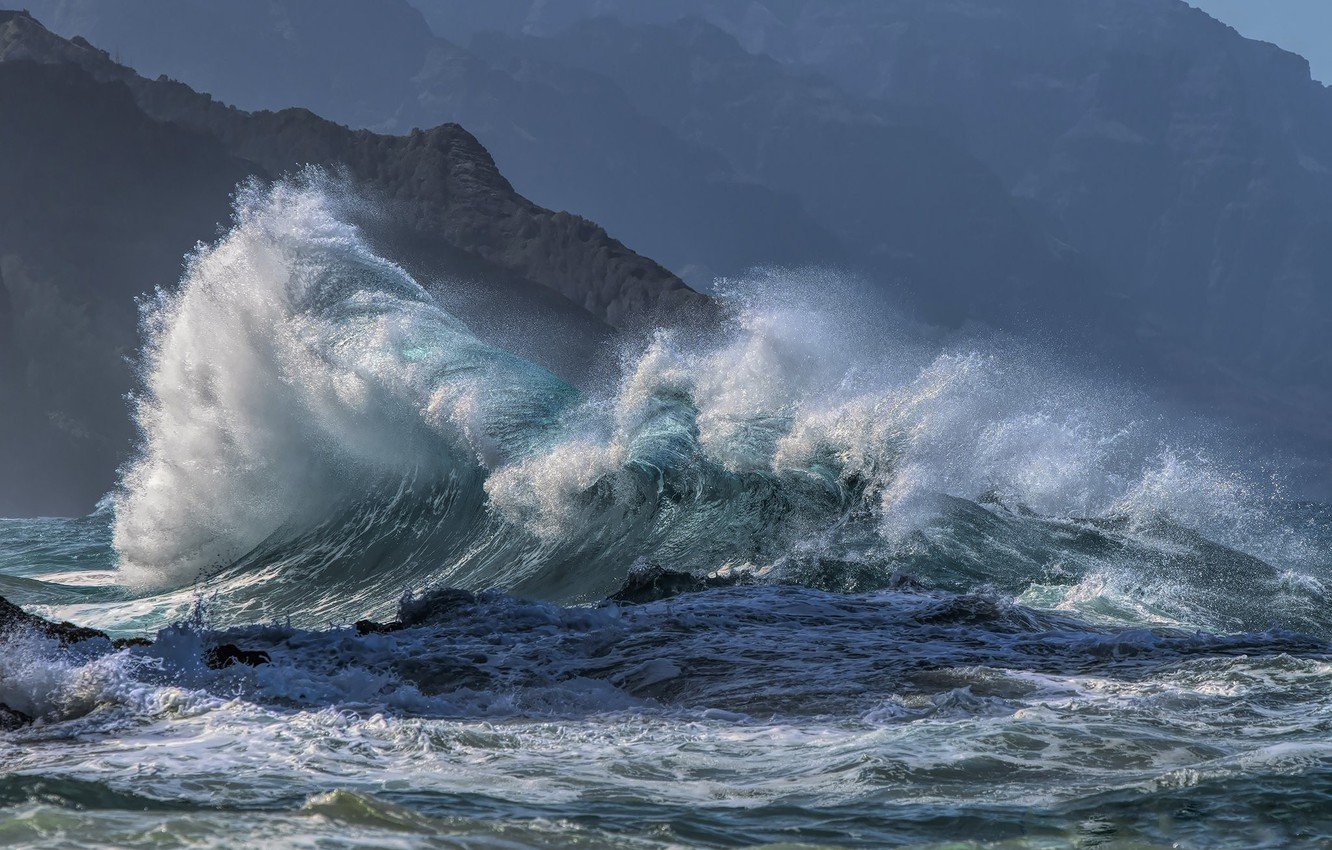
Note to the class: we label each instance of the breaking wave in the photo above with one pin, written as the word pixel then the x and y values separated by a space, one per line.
pixel 319 435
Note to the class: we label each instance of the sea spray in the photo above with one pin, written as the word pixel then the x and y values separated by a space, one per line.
pixel 294 372
pixel 319 435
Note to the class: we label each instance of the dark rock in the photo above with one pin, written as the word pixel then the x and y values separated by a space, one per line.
pixel 435 675
pixel 370 627
pixel 228 654
pixel 13 618
pixel 126 643
pixel 656 583
pixel 435 605
pixel 12 718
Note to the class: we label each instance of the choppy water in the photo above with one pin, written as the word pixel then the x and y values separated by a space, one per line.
pixel 941 595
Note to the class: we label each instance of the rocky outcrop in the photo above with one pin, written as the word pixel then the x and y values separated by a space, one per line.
pixel 228 654
pixel 654 583
pixel 12 718
pixel 14 618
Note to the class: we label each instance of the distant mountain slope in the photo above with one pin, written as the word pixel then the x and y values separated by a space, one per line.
pixel 567 141
pixel 1186 165
pixel 85 226
pixel 908 203
pixel 443 178
pixel 108 179
pixel 259 54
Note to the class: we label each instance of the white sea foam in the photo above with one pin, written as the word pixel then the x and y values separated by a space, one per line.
pixel 295 377
pixel 294 370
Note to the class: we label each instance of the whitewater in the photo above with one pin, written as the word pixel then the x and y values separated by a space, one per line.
pixel 800 573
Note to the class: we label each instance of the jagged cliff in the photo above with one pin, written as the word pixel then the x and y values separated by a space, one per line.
pixel 108 179
pixel 442 177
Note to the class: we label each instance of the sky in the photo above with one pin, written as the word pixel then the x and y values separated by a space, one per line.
pixel 1301 26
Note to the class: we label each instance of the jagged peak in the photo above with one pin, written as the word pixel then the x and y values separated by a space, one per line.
pixel 465 179
pixel 23 37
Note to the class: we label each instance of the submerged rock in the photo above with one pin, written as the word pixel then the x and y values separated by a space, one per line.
pixel 12 618
pixel 228 654
pixel 12 718
pixel 370 627
pixel 656 583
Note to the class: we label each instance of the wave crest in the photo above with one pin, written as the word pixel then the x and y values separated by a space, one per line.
pixel 319 432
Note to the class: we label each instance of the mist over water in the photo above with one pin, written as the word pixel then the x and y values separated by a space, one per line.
pixel 931 580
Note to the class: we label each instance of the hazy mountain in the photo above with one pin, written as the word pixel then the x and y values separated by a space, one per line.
pixel 1189 163
pixel 108 179
pixel 567 140
pixel 260 54
pixel 1185 164
pixel 1297 25
pixel 900 196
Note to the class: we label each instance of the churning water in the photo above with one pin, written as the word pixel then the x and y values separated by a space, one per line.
pixel 799 578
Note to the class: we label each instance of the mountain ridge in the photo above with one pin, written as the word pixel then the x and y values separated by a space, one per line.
pixel 107 180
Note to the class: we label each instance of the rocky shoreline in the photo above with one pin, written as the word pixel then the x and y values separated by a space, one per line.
pixel 15 619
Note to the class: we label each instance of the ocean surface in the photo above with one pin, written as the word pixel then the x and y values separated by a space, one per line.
pixel 806 579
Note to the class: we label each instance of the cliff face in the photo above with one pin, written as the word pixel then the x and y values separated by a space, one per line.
pixel 107 180
pixel 567 140
pixel 443 179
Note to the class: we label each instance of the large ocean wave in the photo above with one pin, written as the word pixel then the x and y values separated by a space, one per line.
pixel 864 581
pixel 320 435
